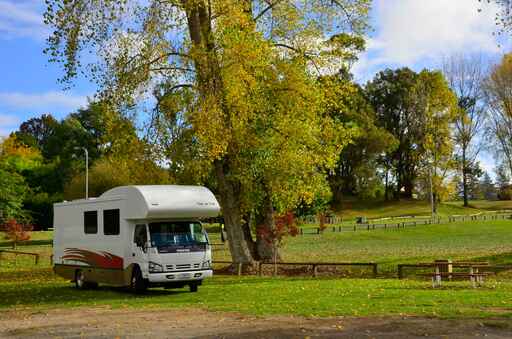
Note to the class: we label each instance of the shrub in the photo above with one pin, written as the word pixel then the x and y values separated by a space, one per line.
pixel 16 232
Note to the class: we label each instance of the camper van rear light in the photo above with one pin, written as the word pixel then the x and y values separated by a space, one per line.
pixel 206 264
pixel 155 268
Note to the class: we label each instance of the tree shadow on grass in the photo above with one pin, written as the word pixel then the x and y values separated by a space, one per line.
pixel 65 294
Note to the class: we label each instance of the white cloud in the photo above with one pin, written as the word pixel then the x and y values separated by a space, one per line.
pixel 38 101
pixel 8 123
pixel 415 31
pixel 22 19
pixel 8 120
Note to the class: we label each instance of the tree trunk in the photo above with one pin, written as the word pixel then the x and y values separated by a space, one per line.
pixel 408 187
pixel 237 237
pixel 265 243
pixel 464 177
pixel 386 186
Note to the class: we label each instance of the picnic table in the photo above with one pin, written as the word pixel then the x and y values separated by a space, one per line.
pixel 444 269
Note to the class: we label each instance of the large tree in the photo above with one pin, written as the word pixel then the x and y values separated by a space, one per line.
pixel 391 94
pixel 465 75
pixel 415 108
pixel 436 108
pixel 15 159
pixel 241 72
pixel 498 90
pixel 356 172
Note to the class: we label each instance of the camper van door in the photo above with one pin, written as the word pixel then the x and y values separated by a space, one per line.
pixel 139 246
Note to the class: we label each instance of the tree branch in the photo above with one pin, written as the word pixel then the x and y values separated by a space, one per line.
pixel 269 7
pixel 304 54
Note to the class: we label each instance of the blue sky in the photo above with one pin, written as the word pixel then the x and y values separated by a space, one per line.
pixel 413 33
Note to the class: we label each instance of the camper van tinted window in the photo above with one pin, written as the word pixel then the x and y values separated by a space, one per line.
pixel 111 222
pixel 91 222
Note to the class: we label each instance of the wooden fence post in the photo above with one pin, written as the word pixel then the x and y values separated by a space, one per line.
pixel 374 270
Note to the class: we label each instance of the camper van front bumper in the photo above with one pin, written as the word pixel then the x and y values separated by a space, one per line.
pixel 180 276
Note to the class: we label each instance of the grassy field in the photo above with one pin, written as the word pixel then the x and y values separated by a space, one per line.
pixel 24 285
pixel 385 209
pixel 39 289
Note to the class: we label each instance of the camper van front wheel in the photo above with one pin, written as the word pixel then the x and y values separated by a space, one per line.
pixel 193 287
pixel 138 283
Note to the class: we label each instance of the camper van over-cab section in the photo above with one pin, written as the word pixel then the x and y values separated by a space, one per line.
pixel 136 236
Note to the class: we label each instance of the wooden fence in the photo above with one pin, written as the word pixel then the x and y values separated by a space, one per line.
pixel 331 226
pixel 313 265
pixel 16 253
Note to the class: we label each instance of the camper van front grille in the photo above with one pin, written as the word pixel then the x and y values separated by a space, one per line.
pixel 180 267
pixel 183 266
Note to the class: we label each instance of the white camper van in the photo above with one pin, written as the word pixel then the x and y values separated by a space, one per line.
pixel 138 236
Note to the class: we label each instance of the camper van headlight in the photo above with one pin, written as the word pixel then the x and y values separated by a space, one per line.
pixel 155 268
pixel 207 264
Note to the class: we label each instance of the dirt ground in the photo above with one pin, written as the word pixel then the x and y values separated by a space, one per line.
pixel 196 323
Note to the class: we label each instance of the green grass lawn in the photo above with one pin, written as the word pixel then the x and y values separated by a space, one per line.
pixel 489 240
pixel 40 289
pixel 24 285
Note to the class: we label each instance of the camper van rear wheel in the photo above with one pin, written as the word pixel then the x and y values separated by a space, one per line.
pixel 80 279
pixel 138 284
pixel 193 287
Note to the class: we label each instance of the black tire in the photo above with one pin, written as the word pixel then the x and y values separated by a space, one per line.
pixel 80 280
pixel 81 283
pixel 193 287
pixel 138 284
pixel 92 285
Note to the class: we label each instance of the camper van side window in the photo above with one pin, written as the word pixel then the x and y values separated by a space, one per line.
pixel 140 237
pixel 111 222
pixel 91 222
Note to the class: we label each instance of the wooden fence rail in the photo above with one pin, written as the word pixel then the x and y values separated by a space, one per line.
pixel 16 253
pixel 313 265
pixel 397 225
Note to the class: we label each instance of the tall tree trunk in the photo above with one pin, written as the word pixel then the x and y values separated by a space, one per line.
pixel 464 177
pixel 386 186
pixel 237 237
pixel 210 84
pixel 409 188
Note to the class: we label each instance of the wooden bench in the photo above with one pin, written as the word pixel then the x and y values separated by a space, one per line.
pixel 476 278
pixel 455 264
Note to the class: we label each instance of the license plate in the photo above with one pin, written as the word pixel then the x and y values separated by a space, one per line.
pixel 185 275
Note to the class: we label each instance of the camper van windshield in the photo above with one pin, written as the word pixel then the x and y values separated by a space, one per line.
pixel 174 236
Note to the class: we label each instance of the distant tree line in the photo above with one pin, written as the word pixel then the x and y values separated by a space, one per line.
pixel 43 162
